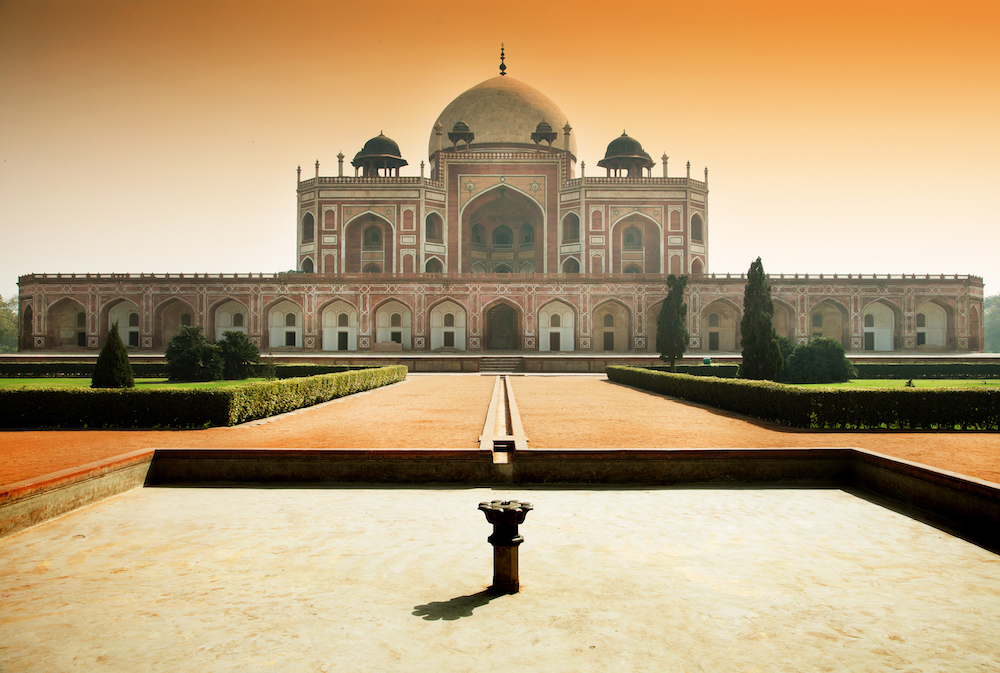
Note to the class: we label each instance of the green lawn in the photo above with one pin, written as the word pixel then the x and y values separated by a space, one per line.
pixel 899 383
pixel 63 382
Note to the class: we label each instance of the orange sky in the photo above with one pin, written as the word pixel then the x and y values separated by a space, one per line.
pixel 164 135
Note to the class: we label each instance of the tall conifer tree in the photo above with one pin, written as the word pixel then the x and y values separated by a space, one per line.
pixel 671 327
pixel 761 351
pixel 113 370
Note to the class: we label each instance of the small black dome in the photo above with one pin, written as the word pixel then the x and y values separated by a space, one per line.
pixel 380 145
pixel 625 147
pixel 543 127
pixel 460 127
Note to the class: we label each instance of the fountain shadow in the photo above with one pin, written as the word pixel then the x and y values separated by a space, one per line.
pixel 456 608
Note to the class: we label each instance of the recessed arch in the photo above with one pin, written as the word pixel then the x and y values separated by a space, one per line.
pixel 62 324
pixel 394 323
pixel 828 318
pixel 434 228
pixel 126 312
pixel 340 326
pixel 228 315
pixel 308 228
pixel 636 242
pixel 494 230
pixel 281 334
pixel 880 325
pixel 784 318
pixel 168 317
pixel 720 326
pixel 361 253
pixel 556 326
pixel 570 228
pixel 934 326
pixel 697 227
pixel 433 265
pixel 448 320
pixel 571 265
pixel 612 326
pixel 502 320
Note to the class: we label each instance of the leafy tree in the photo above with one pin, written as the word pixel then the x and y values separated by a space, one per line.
pixel 239 355
pixel 761 351
pixel 671 327
pixel 8 325
pixel 822 360
pixel 192 357
pixel 991 324
pixel 113 369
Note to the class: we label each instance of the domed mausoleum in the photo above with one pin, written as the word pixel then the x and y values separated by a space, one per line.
pixel 501 245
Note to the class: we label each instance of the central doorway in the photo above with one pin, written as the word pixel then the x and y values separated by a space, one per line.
pixel 500 328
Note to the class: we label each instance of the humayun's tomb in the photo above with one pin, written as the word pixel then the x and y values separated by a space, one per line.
pixel 502 244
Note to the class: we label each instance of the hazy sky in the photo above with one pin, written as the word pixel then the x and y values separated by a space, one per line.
pixel 163 135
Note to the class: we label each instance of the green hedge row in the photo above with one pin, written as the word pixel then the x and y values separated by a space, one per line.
pixel 151 370
pixel 846 409
pixel 931 370
pixel 719 371
pixel 181 408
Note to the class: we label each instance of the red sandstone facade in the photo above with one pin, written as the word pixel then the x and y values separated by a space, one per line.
pixel 501 248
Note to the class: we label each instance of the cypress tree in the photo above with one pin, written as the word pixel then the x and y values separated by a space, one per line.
pixel 113 369
pixel 761 351
pixel 671 326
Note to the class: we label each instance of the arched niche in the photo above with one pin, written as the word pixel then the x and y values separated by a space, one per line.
pixel 556 323
pixel 448 326
pixel 829 319
pixel 27 339
pixel 570 229
pixel 433 265
pixel 502 326
pixel 127 315
pixel 720 325
pixel 433 228
pixel 284 325
pixel 369 244
pixel 63 328
pixel 932 326
pixel 636 242
pixel 340 326
pixel 308 228
pixel 495 231
pixel 612 327
pixel 879 324
pixel 168 317
pixel 394 322
pixel 230 316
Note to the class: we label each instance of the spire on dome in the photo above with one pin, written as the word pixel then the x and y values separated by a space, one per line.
pixel 503 68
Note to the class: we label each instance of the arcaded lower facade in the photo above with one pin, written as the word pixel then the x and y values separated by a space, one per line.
pixel 502 244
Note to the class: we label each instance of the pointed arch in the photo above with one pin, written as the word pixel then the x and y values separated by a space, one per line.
pixel 128 315
pixel 394 323
pixel 448 320
pixel 828 318
pixel 284 323
pixel 502 320
pixel 340 325
pixel 612 326
pixel 720 326
pixel 358 251
pixel 227 315
pixel 644 250
pixel 498 209
pixel 62 324
pixel 784 318
pixel 557 321
pixel 168 317
pixel 934 324
pixel 881 322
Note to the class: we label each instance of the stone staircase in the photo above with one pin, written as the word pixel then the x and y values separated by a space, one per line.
pixel 501 365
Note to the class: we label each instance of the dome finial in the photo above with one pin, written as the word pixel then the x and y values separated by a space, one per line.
pixel 503 68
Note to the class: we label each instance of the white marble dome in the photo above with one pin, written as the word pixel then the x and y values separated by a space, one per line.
pixel 503 113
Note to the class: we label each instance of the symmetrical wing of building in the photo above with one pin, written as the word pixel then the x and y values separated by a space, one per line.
pixel 502 244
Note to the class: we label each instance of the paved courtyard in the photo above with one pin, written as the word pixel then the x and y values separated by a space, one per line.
pixel 363 579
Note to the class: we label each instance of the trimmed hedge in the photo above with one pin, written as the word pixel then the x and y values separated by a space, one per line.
pixel 843 409
pixel 181 408
pixel 930 370
pixel 719 371
pixel 152 370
